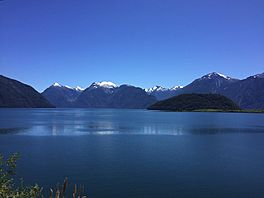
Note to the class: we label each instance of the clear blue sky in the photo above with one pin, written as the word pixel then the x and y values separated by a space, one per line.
pixel 138 42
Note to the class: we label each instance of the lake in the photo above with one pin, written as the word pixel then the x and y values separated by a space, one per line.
pixel 138 153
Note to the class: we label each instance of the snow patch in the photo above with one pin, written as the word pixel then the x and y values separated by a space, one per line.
pixel 161 89
pixel 215 74
pixel 56 84
pixel 78 88
pixel 68 87
pixel 259 75
pixel 105 84
pixel 176 87
pixel 155 88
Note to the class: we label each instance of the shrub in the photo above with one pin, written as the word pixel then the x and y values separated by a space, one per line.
pixel 10 189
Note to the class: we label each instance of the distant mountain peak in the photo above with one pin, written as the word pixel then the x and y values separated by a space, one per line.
pixel 155 88
pixel 176 87
pixel 215 74
pixel 104 84
pixel 158 88
pixel 259 75
pixel 67 87
pixel 78 88
pixel 56 84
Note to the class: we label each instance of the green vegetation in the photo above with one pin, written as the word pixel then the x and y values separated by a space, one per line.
pixel 10 189
pixel 196 102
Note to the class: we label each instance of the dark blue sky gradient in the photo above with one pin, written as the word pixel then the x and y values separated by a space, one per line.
pixel 139 42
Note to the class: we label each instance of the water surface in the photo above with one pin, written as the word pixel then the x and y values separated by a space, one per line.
pixel 139 153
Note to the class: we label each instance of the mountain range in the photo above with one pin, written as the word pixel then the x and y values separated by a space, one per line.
pixel 162 93
pixel 99 95
pixel 248 93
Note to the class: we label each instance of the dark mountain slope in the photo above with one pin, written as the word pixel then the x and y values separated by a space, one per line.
pixel 210 83
pixel 131 97
pixel 95 96
pixel 113 96
pixel 247 93
pixel 19 95
pixel 61 96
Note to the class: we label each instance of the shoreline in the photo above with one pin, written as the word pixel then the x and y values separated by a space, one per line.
pixel 212 111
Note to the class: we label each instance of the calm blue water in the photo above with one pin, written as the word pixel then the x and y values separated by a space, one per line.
pixel 138 153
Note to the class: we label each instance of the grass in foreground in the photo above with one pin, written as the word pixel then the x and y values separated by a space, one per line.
pixel 10 189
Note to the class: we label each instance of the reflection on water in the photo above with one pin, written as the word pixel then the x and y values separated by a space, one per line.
pixel 53 122
pixel 12 130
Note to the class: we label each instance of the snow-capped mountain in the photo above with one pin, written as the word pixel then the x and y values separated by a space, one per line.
pixel 209 83
pixel 158 88
pixel 110 95
pixel 162 93
pixel 104 84
pixel 155 89
pixel 61 95
pixel 215 75
pixel 98 95
pixel 56 85
pixel 259 75
pixel 247 93
pixel 176 87
pixel 78 88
